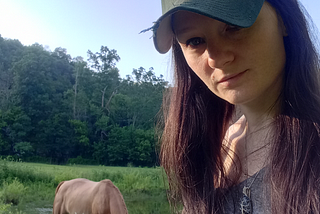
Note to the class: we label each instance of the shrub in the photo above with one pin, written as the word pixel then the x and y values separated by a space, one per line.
pixel 113 175
pixel 6 209
pixel 10 170
pixel 11 193
pixel 80 160
pixel 63 176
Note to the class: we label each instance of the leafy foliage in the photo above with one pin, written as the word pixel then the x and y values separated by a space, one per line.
pixel 12 192
pixel 56 108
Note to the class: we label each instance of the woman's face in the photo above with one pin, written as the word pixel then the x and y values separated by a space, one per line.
pixel 240 65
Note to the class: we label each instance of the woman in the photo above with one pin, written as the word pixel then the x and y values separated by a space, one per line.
pixel 251 58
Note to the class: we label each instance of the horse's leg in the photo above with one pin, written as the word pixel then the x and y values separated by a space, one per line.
pixel 100 205
pixel 57 203
pixel 56 207
pixel 59 208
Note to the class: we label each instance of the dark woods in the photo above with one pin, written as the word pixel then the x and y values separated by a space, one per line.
pixel 58 109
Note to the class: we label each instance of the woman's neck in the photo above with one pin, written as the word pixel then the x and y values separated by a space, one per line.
pixel 257 142
pixel 257 119
pixel 248 145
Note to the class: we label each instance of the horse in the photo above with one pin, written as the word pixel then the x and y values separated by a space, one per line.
pixel 82 196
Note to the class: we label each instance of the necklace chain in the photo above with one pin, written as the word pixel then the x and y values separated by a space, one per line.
pixel 245 201
pixel 262 147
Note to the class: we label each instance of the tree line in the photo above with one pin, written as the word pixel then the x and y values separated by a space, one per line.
pixel 59 109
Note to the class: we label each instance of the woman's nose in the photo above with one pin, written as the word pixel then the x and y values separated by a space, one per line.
pixel 220 54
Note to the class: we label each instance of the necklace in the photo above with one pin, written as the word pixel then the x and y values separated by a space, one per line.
pixel 245 200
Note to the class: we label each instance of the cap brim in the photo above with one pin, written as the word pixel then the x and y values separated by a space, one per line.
pixel 239 13
pixel 163 35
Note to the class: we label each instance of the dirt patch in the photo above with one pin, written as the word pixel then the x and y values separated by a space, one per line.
pixel 44 210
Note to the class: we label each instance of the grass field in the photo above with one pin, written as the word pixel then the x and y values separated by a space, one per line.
pixel 30 187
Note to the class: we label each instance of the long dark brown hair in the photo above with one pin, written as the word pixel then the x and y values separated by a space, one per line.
pixel 196 121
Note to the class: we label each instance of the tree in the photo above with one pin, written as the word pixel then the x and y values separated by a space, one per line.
pixel 144 97
pixel 129 145
pixel 56 107
pixel 107 75
pixel 10 52
pixel 15 125
pixel 40 81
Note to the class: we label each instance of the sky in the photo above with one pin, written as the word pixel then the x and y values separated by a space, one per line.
pixel 82 25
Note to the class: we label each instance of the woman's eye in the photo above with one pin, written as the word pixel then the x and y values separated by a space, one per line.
pixel 195 41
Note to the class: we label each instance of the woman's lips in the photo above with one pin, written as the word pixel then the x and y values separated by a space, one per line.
pixel 231 77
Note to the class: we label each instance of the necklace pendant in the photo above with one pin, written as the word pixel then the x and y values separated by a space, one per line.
pixel 245 201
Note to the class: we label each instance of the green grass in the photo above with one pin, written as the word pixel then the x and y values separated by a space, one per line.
pixel 143 189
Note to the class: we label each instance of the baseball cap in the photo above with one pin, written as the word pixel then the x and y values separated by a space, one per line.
pixel 241 13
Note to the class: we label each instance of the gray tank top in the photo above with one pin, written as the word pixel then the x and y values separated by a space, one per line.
pixel 259 199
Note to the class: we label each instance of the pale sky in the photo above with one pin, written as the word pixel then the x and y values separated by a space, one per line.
pixel 82 25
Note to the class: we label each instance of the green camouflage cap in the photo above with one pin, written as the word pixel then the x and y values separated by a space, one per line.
pixel 242 13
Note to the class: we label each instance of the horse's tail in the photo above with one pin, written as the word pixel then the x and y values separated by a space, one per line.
pixel 58 187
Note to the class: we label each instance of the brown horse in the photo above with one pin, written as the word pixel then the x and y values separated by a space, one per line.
pixel 82 196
